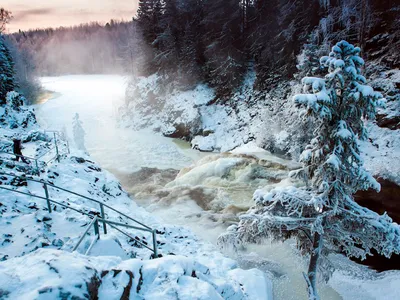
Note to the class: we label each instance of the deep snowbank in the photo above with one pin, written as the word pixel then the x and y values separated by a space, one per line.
pixel 60 274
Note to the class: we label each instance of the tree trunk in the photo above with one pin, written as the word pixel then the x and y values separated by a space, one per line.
pixel 311 277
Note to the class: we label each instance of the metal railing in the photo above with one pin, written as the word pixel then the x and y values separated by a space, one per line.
pixel 37 160
pixel 95 224
pixel 100 218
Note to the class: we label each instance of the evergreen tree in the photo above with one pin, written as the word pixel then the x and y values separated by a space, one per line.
pixel 225 60
pixel 308 62
pixel 323 215
pixel 7 80
pixel 79 133
pixel 168 41
pixel 5 17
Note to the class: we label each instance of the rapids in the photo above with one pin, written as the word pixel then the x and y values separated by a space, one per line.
pixel 206 192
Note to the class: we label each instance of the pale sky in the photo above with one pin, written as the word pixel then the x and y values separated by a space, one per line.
pixel 32 14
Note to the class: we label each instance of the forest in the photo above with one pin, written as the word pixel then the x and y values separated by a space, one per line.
pixel 217 42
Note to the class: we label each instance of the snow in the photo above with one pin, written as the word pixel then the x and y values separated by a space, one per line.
pixel 228 129
pixel 382 153
pixel 253 147
pixel 216 127
pixel 35 239
pixel 56 274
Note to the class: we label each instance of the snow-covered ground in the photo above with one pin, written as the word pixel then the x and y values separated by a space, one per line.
pixel 224 183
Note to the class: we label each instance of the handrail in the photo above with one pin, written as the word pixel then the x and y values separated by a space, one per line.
pixel 36 159
pixel 23 157
pixel 84 234
pixel 101 219
pixel 43 154
pixel 76 194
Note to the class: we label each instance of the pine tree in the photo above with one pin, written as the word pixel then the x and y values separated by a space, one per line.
pixel 5 17
pixel 323 215
pixel 79 133
pixel 7 80
pixel 148 15
pixel 308 60
pixel 168 41
pixel 225 62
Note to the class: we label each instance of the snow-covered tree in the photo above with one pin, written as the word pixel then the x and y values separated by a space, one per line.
pixel 323 216
pixel 7 80
pixel 308 59
pixel 79 133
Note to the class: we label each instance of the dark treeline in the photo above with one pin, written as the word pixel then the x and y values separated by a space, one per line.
pixel 217 41
pixel 15 71
pixel 85 49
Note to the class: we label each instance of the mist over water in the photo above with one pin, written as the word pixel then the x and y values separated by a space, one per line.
pixel 205 192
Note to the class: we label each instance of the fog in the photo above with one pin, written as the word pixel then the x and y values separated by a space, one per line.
pixel 94 48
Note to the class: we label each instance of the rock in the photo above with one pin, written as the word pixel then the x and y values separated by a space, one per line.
pixel 57 243
pixel 392 123
pixel 32 205
pixel 46 218
pixel 178 131
pixel 79 160
pixel 36 136
pixel 3 257
pixel 387 200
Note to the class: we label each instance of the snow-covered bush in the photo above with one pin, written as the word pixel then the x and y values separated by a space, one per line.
pixel 323 215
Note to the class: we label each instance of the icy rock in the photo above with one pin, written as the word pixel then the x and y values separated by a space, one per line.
pixel 57 243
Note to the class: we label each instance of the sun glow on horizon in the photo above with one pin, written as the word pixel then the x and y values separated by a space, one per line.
pixel 56 13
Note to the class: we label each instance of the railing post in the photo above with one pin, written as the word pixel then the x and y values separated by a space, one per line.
pixel 103 216
pixel 37 167
pixel 66 140
pixel 154 232
pixel 96 228
pixel 55 142
pixel 46 191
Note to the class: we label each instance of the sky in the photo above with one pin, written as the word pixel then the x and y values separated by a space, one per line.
pixel 32 14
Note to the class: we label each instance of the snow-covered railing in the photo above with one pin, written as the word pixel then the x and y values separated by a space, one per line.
pixel 39 162
pixel 95 224
pixel 101 217
pixel 60 135
pixel 23 157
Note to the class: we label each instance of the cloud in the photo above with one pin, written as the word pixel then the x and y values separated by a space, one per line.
pixel 27 13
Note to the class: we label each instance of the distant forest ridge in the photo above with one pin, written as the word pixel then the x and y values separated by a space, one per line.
pixel 219 41
pixel 91 48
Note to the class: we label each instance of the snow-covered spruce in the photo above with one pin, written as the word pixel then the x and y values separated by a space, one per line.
pixel 323 215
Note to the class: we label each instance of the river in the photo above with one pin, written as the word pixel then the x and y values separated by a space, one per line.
pixel 205 197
